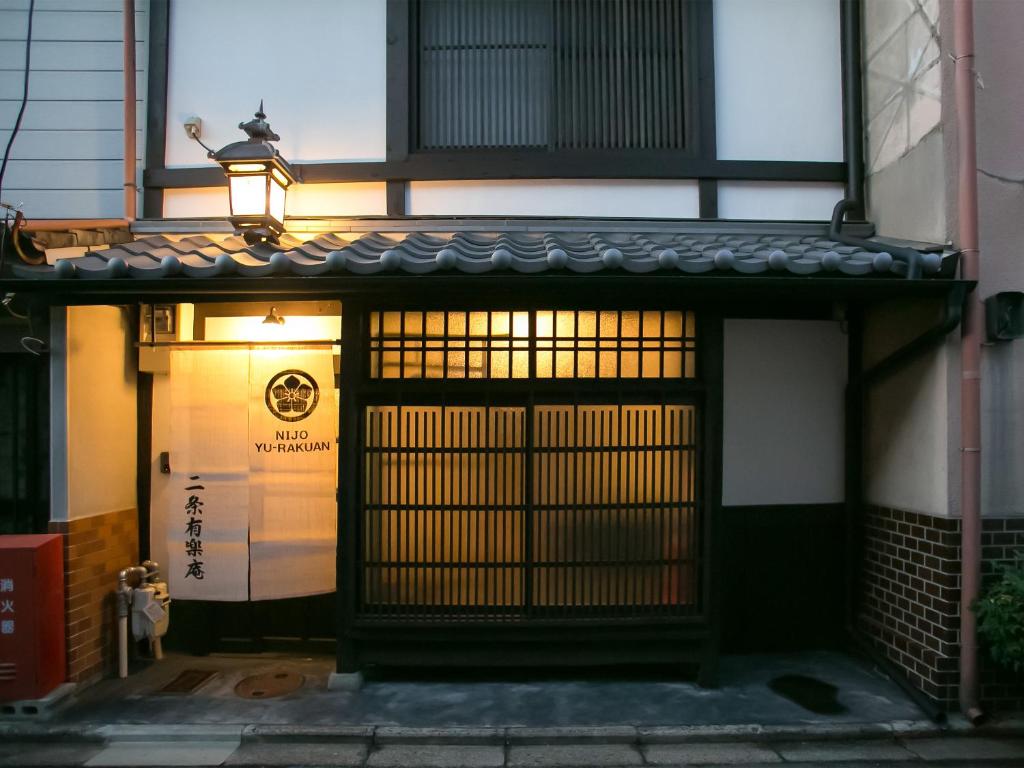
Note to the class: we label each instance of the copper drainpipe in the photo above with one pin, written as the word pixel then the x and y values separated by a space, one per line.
pixel 130 186
pixel 970 356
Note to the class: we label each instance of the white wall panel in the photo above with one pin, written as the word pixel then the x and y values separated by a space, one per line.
pixel 773 200
pixel 69 145
pixel 557 197
pixel 341 200
pixel 69 86
pixel 777 80
pixel 67 203
pixel 83 115
pixel 73 6
pixel 349 199
pixel 319 65
pixel 909 464
pixel 72 55
pixel 65 174
pixel 783 412
pixel 204 202
pixel 53 24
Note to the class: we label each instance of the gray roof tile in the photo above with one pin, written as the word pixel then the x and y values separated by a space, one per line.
pixel 421 253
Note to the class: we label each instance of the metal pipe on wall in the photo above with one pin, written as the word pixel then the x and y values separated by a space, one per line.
pixel 970 355
pixel 130 188
pixel 853 105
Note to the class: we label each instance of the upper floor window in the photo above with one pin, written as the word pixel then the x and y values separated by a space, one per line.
pixel 559 75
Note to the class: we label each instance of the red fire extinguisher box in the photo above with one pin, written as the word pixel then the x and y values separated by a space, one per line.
pixel 32 644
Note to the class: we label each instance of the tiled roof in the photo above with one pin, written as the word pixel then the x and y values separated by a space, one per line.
pixel 480 252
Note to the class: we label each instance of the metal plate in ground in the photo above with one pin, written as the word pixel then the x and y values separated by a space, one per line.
pixel 188 681
pixel 269 684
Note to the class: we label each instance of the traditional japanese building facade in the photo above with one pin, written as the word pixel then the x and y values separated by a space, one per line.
pixel 580 355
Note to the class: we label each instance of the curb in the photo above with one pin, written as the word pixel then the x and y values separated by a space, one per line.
pixel 508 736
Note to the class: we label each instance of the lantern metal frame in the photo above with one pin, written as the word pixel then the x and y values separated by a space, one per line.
pixel 256 157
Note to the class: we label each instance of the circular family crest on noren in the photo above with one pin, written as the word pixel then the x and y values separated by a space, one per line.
pixel 292 395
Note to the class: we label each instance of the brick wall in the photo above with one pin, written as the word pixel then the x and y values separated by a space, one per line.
pixel 910 593
pixel 95 549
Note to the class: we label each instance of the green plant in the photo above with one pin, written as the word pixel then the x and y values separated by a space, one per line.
pixel 1001 616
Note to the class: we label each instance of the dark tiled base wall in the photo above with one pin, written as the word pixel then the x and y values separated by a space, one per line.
pixel 910 593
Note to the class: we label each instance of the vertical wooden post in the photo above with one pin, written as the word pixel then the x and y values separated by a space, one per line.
pixel 349 493
pixel 712 362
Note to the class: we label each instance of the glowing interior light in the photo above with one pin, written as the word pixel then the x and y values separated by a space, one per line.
pixel 281 178
pixel 252 328
pixel 249 195
pixel 276 200
pixel 246 167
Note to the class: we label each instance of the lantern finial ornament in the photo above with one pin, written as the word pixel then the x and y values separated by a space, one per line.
pixel 258 180
pixel 258 129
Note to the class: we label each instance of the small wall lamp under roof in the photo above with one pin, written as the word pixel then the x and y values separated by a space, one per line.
pixel 273 318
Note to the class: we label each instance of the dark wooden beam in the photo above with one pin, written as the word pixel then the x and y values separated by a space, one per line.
pixel 707 189
pixel 349 489
pixel 156 107
pixel 398 103
pixel 396 195
pixel 526 165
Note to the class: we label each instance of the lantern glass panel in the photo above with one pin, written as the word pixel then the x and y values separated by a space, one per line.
pixel 277 191
pixel 249 195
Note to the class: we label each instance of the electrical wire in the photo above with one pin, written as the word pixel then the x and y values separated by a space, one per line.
pixel 24 95
pixel 19 222
pixel 6 304
pixel 209 151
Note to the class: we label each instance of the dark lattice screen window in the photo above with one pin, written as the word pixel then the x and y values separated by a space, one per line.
pixel 554 74
pixel 543 344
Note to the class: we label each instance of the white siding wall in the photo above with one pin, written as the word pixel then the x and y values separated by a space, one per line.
pixel 778 82
pixel 783 412
pixel 67 158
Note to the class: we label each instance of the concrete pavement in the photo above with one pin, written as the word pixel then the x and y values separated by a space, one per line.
pixel 497 749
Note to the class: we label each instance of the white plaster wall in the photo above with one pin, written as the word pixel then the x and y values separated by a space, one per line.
pixel 783 438
pixel 96 408
pixel 777 80
pixel 777 201
pixel 910 461
pixel 318 64
pixel 555 197
pixel 348 199
pixel 999 29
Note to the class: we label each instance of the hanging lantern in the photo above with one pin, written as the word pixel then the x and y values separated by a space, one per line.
pixel 258 181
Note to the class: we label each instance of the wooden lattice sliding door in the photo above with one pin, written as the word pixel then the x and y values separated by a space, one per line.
pixel 613 520
pixel 604 524
pixel 444 512
pixel 547 500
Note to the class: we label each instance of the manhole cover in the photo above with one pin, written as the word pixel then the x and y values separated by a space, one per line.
pixel 188 681
pixel 269 684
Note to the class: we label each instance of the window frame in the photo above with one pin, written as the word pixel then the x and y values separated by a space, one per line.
pixel 483 163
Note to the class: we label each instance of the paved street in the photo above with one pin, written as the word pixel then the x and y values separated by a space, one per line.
pixel 946 751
